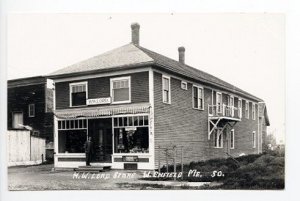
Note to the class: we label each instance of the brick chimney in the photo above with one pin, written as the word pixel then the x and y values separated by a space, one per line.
pixel 181 52
pixel 135 33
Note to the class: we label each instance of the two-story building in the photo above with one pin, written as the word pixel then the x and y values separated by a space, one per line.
pixel 29 106
pixel 134 102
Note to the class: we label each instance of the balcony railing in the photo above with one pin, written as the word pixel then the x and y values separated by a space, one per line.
pixel 224 111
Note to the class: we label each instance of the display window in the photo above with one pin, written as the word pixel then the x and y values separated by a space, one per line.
pixel 131 134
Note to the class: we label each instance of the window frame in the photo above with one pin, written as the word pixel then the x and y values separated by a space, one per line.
pixel 169 94
pixel 231 104
pixel 70 92
pixel 198 98
pixel 220 102
pixel 232 137
pixel 62 122
pixel 111 89
pixel 240 107
pixel 253 139
pixel 186 86
pixel 141 126
pixel 253 111
pixel 33 110
pixel 13 113
pixel 247 114
pixel 217 137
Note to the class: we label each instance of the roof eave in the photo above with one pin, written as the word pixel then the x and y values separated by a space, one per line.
pixel 160 66
pixel 123 67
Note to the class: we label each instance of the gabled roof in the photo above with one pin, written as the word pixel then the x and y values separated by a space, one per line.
pixel 20 82
pixel 130 55
pixel 262 108
pixel 191 72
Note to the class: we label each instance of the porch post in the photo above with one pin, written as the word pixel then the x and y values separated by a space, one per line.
pixel 151 119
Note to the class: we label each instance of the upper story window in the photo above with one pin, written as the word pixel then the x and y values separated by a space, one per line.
pixel 78 94
pixel 253 111
pixel 219 102
pixel 240 108
pixel 231 105
pixel 120 89
pixel 183 85
pixel 31 110
pixel 198 97
pixel 247 110
pixel 166 89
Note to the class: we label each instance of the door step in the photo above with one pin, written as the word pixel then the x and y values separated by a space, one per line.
pixel 94 168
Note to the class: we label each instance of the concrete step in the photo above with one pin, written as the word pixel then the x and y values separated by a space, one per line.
pixel 94 168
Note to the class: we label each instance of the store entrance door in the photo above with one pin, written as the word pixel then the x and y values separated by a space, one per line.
pixel 101 132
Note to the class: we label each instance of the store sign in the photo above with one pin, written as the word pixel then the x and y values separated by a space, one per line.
pixel 98 101
pixel 130 128
pixel 130 159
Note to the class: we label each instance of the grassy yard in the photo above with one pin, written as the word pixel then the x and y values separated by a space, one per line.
pixel 264 171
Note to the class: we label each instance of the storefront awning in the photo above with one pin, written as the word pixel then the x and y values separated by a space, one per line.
pixel 101 111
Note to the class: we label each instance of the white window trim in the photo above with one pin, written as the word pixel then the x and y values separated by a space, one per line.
pixel 65 120
pixel 169 98
pixel 240 108
pixel 147 126
pixel 70 92
pixel 32 110
pixel 231 97
pixel 247 111
pixel 222 141
pixel 253 111
pixel 220 102
pixel 111 89
pixel 183 82
pixel 232 147
pixel 198 87
pixel 253 139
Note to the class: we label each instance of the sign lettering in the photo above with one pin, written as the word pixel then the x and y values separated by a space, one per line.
pixel 98 101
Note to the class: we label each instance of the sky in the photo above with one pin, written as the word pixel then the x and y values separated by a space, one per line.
pixel 247 50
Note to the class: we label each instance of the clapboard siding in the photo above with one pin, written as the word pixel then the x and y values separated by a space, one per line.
pixel 100 88
pixel 177 123
pixel 180 125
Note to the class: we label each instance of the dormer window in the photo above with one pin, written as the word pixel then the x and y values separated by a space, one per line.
pixel 78 94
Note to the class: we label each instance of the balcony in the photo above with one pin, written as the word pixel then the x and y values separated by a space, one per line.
pixel 224 112
pixel 221 117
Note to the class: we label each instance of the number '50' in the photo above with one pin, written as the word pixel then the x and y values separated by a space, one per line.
pixel 217 174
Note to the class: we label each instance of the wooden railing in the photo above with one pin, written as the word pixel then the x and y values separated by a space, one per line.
pixel 224 111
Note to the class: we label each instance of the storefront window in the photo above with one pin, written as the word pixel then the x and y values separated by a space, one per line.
pixel 72 135
pixel 131 134
pixel 71 141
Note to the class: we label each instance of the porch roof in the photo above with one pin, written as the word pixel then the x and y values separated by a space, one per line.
pixel 91 112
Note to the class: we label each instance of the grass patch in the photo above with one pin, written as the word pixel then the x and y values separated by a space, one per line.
pixel 263 171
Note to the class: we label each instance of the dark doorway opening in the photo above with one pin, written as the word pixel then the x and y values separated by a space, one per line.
pixel 101 132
